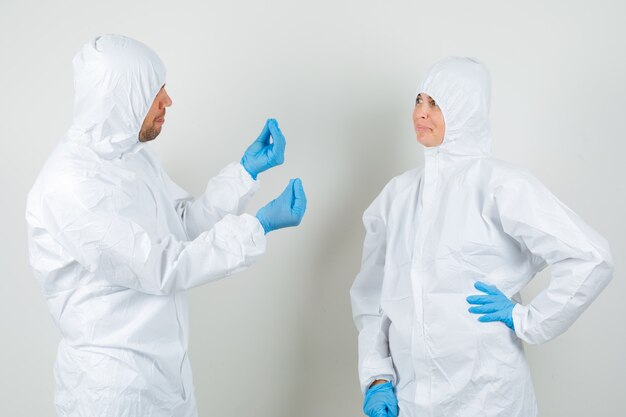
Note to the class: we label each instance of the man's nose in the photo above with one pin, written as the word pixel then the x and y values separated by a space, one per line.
pixel 166 102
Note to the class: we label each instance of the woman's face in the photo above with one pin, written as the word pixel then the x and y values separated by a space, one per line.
pixel 428 121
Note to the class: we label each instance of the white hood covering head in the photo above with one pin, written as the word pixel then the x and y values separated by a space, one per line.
pixel 462 89
pixel 116 79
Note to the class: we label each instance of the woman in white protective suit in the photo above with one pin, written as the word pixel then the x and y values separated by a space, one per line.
pixel 465 232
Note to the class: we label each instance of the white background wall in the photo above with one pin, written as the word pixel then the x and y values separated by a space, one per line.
pixel 340 77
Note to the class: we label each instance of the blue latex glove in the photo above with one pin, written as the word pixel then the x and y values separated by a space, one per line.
pixel 495 305
pixel 381 401
pixel 286 210
pixel 263 154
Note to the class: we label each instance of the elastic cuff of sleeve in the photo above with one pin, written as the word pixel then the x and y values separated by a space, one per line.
pixel 519 311
pixel 257 232
pixel 388 377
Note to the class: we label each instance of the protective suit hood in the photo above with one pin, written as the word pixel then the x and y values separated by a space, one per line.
pixel 462 89
pixel 116 79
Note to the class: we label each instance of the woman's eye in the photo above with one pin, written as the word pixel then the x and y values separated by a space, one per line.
pixel 432 103
pixel 418 100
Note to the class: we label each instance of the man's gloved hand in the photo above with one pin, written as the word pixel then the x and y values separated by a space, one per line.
pixel 263 154
pixel 381 401
pixel 286 210
pixel 495 305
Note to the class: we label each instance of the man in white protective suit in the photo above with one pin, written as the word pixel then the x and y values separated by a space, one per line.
pixel 115 243
pixel 464 232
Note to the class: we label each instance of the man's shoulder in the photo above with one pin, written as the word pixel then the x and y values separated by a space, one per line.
pixel 71 180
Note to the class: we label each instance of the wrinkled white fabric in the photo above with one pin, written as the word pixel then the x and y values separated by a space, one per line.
pixel 432 233
pixel 114 244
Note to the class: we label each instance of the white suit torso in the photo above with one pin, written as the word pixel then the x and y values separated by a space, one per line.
pixel 124 328
pixel 447 363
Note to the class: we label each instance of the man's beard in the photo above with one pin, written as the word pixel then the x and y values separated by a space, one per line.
pixel 149 133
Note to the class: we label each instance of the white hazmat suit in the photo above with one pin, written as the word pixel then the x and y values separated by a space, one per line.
pixel 114 244
pixel 432 233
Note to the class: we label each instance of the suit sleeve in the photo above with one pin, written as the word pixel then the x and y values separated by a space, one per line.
pixel 580 259
pixel 373 326
pixel 113 237
pixel 226 193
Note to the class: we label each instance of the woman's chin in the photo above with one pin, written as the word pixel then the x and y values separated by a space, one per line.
pixel 424 141
pixel 428 141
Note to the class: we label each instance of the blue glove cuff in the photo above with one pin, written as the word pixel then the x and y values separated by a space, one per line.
pixel 266 227
pixel 376 388
pixel 243 163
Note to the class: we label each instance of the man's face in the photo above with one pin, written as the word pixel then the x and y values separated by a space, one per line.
pixel 155 118
pixel 428 121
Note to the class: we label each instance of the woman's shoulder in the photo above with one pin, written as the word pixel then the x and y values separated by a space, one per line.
pixel 396 186
pixel 404 180
pixel 505 175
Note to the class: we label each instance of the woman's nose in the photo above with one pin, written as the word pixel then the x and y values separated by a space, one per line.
pixel 421 111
